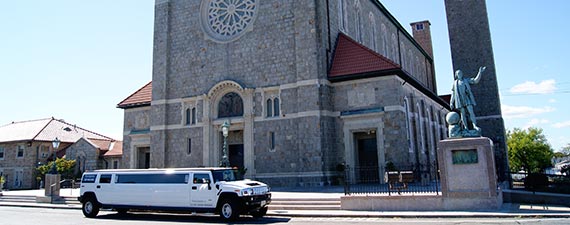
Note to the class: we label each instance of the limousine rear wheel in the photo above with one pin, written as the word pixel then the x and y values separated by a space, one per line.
pixel 90 208
pixel 229 209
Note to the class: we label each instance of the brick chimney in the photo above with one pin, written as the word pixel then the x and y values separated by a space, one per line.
pixel 422 34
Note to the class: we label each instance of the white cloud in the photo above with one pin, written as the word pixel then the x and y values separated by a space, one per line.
pixel 523 111
pixel 529 87
pixel 562 124
pixel 534 122
pixel 552 100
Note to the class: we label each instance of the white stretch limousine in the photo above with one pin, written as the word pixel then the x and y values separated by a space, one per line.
pixel 214 190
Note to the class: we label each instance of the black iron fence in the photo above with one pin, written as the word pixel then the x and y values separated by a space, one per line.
pixel 379 181
pixel 541 182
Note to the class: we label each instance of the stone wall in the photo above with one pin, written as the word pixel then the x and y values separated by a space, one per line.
pixel 34 153
pixel 86 156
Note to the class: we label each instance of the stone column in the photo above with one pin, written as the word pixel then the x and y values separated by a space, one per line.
pixel 51 179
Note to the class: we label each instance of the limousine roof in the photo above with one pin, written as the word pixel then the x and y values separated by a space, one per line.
pixel 161 170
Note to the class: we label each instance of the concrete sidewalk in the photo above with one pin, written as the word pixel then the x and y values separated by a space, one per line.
pixel 509 210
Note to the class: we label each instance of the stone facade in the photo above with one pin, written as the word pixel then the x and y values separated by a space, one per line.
pixel 471 48
pixel 90 154
pixel 19 170
pixel 293 125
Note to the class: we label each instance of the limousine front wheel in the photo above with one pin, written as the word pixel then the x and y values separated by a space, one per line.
pixel 90 208
pixel 229 210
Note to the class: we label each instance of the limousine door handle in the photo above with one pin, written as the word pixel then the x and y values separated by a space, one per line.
pixel 98 186
pixel 194 188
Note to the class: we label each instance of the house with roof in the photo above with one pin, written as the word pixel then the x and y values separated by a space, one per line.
pixel 25 145
pixel 304 86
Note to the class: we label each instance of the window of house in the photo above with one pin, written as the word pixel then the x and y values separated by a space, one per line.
pixel 116 164
pixel 1 153
pixel 189 146
pixel 276 107
pixel 372 26
pixel 272 107
pixel 271 141
pixel 342 14
pixel 187 117
pixel 269 108
pixel 419 26
pixel 20 151
pixel 193 115
pixel 357 21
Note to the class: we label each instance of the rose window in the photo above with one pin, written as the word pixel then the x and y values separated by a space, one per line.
pixel 227 20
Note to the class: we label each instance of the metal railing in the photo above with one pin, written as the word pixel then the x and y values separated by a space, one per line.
pixel 378 181
pixel 541 182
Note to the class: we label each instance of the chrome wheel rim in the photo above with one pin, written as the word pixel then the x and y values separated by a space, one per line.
pixel 88 207
pixel 227 210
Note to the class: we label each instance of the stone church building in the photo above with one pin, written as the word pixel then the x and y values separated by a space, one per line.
pixel 305 86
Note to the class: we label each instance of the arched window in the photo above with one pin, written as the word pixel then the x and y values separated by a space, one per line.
pixel 194 119
pixel 269 108
pixel 230 105
pixel 409 129
pixel 372 21
pixel 276 107
pixel 342 15
pixel 384 40
pixel 394 51
pixel 187 117
pixel 357 21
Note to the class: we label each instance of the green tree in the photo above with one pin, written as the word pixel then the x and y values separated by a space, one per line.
pixel 528 150
pixel 64 167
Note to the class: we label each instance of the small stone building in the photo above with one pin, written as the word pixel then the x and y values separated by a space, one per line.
pixel 25 145
pixel 305 86
pixel 92 154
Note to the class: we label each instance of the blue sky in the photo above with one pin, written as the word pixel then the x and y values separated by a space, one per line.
pixel 75 60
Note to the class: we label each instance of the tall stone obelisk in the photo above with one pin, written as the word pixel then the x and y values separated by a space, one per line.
pixel 471 48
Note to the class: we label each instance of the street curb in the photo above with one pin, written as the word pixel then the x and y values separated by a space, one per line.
pixel 551 215
pixel 358 214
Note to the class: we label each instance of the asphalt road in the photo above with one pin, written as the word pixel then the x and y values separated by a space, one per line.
pixel 34 216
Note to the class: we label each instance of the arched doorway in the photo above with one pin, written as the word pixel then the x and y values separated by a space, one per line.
pixel 229 102
pixel 231 105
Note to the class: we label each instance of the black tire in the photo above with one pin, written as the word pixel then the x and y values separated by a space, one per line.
pixel 259 213
pixel 229 209
pixel 90 208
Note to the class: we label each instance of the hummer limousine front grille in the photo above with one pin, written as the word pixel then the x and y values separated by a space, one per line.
pixel 259 190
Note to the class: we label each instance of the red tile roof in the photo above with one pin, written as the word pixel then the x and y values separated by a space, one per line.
pixel 116 149
pixel 46 130
pixel 141 97
pixel 102 145
pixel 352 58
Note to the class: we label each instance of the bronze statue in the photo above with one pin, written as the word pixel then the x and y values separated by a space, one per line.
pixel 462 100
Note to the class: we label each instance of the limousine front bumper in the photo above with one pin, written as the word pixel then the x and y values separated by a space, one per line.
pixel 256 202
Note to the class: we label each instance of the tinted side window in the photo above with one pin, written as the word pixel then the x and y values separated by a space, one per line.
pixel 201 178
pixel 152 178
pixel 105 179
pixel 89 178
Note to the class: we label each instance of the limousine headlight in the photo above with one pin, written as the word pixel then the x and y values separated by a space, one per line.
pixel 247 192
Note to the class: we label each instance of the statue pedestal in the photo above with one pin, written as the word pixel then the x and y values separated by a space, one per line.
pixel 468 175
pixel 49 181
